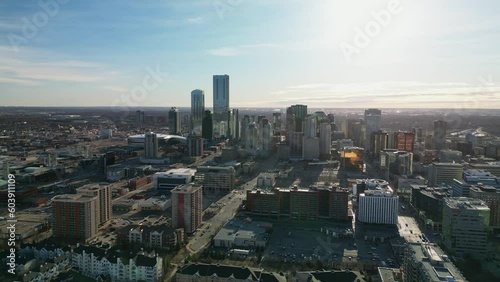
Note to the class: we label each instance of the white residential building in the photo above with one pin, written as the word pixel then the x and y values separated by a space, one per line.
pixel 380 207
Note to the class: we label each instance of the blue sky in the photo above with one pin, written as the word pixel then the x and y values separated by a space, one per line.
pixel 425 54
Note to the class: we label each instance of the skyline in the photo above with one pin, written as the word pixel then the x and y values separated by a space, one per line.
pixel 276 54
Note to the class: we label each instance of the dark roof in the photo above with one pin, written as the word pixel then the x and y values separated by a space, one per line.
pixel 142 260
pixel 327 276
pixel 223 271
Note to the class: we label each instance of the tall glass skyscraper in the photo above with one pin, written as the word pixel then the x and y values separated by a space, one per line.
pixel 197 111
pixel 221 105
pixel 373 118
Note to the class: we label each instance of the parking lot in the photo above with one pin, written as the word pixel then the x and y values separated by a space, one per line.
pixel 296 245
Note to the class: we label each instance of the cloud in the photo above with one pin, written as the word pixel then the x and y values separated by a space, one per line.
pixel 240 49
pixel 196 20
pixel 116 89
pixel 33 68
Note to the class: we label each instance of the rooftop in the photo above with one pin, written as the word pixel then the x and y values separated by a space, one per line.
pixel 187 188
pixel 435 262
pixel 73 198
pixel 466 203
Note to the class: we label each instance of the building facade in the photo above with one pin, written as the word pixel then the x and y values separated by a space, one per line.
pixel 104 207
pixel 75 217
pixel 215 178
pixel 378 207
pixel 187 207
pixel 465 226
pixel 221 105
pixel 197 111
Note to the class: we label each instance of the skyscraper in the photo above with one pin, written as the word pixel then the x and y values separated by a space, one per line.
pixel 197 111
pixel 373 119
pixel 174 121
pixel 277 124
pixel 208 126
pixel 439 136
pixel 300 112
pixel 325 140
pixel 150 145
pixel 221 104
pixel 404 141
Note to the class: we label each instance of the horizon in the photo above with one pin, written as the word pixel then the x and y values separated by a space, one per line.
pixel 383 54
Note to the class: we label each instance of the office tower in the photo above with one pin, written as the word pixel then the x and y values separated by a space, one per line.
pixel 419 134
pixel 440 173
pixel 219 179
pixel 404 141
pixel 290 120
pixel 251 138
pixel 187 207
pixel 195 146
pixel 300 113
pixel 310 127
pixel 139 117
pixel 450 156
pixel 104 205
pixel 491 196
pixel 208 126
pixel 396 162
pixel 465 226
pixel 221 105
pixel 439 135
pixel 74 217
pixel 244 126
pixel 150 145
pixel 264 137
pixel 379 141
pixel 379 207
pixel 373 119
pixel 296 143
pixel 325 140
pixel 426 262
pixel 277 124
pixel 234 124
pixel 197 111
pixel 311 148
pixel 174 121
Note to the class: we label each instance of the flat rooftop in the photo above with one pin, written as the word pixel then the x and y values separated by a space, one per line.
pixel 435 262
pixel 466 203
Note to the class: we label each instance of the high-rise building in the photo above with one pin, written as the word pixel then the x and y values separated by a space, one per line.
pixel 150 145
pixel 396 162
pixel 139 117
pixel 104 204
pixel 450 156
pixel 216 178
pixel 373 119
pixel 379 142
pixel 491 196
pixel 325 140
pixel 207 126
pixel 265 134
pixel 290 120
pixel 277 124
pixel 380 207
pixel 440 173
pixel 74 217
pixel 195 145
pixel 311 148
pixel 404 141
pixel 310 127
pixel 187 207
pixel 234 124
pixel 465 226
pixel 426 262
pixel 251 138
pixel 439 135
pixel 174 121
pixel 300 113
pixel 296 143
pixel 244 125
pixel 221 105
pixel 197 111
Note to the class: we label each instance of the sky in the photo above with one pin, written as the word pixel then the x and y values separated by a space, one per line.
pixel 326 54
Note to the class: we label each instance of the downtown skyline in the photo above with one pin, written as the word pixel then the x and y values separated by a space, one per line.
pixel 425 55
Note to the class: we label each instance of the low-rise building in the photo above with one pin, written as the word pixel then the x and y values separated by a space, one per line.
pixel 94 262
pixel 216 178
pixel 160 236
pixel 170 179
pixel 200 272
pixel 426 262
pixel 243 234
